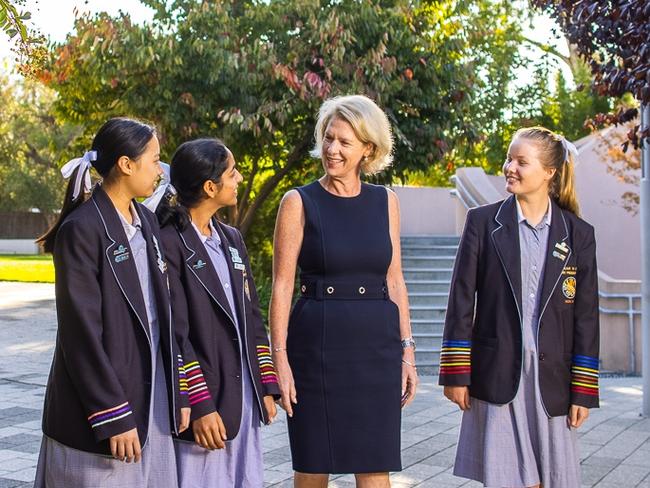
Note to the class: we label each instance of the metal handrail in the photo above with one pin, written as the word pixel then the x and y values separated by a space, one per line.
pixel 464 195
pixel 630 311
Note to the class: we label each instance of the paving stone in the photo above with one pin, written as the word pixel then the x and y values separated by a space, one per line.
pixel 27 474
pixel 614 443
pixel 625 476
pixel 7 483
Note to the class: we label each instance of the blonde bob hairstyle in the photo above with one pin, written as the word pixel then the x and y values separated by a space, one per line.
pixel 369 124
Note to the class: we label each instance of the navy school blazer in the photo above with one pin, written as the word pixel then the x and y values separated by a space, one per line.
pixel 482 341
pixel 205 328
pixel 100 380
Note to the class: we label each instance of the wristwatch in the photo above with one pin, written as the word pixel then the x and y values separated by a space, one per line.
pixel 408 342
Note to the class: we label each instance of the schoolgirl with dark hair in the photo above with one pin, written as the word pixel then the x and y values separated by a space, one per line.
pixel 521 340
pixel 215 308
pixel 116 387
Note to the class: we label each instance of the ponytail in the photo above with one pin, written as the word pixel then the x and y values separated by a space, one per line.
pixel 69 204
pixel 170 211
pixel 564 191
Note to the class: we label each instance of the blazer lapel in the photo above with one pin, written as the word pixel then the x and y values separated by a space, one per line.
pixel 506 242
pixel 557 255
pixel 200 264
pixel 235 266
pixel 120 257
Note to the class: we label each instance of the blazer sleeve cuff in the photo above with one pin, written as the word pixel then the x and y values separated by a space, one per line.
pixel 112 421
pixel 584 381
pixel 455 363
pixel 272 389
pixel 202 408
pixel 197 388
pixel 269 377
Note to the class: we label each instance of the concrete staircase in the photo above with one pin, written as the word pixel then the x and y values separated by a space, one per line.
pixel 427 263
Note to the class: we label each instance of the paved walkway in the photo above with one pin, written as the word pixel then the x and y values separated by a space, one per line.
pixel 615 443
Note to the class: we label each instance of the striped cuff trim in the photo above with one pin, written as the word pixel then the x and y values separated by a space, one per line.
pixel 197 388
pixel 584 375
pixel 182 377
pixel 267 370
pixel 455 357
pixel 110 415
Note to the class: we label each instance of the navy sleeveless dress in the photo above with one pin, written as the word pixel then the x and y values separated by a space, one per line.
pixel 343 340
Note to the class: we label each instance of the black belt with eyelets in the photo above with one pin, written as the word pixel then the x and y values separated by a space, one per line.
pixel 343 290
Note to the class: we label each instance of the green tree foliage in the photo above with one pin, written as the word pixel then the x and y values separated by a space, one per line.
pixel 255 73
pixel 29 44
pixel 31 144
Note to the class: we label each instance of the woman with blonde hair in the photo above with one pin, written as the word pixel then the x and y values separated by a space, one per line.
pixel 344 355
pixel 520 346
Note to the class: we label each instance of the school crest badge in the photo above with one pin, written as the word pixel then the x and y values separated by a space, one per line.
pixel 569 287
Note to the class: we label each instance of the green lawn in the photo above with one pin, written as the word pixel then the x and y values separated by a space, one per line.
pixel 30 268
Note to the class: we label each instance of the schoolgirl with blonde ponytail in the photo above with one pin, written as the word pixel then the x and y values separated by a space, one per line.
pixel 520 346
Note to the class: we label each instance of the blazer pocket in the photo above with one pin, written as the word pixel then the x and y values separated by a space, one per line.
pixel 485 341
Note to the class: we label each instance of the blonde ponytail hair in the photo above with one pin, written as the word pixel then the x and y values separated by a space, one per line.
pixel 555 154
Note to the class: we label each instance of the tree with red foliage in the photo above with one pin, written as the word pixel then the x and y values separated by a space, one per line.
pixel 614 38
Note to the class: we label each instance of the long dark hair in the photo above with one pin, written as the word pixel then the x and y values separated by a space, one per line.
pixel 116 138
pixel 193 163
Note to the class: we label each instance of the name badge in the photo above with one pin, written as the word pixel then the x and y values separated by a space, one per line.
pixel 234 255
pixel 559 255
pixel 121 253
pixel 240 266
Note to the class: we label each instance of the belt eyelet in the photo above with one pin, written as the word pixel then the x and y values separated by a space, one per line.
pixel 330 290
pixel 303 288
pixel 362 290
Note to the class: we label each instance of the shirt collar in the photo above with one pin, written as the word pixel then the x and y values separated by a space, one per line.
pixel 131 229
pixel 214 235
pixel 547 216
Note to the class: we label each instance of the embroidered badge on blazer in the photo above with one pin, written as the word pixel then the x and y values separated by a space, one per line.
pixel 199 264
pixel 121 253
pixel 162 265
pixel 234 255
pixel 569 288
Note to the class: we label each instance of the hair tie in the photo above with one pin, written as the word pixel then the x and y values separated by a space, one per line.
pixel 569 148
pixel 163 187
pixel 83 163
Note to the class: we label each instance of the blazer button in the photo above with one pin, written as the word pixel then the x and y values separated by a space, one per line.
pixel 541 356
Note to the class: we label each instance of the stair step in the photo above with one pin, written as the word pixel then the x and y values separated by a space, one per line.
pixel 424 286
pixel 437 251
pixel 426 274
pixel 427 358
pixel 428 262
pixel 437 299
pixel 428 312
pixel 429 240
pixel 427 341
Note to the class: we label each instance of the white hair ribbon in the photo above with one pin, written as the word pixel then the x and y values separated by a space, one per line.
pixel 163 187
pixel 569 148
pixel 83 163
